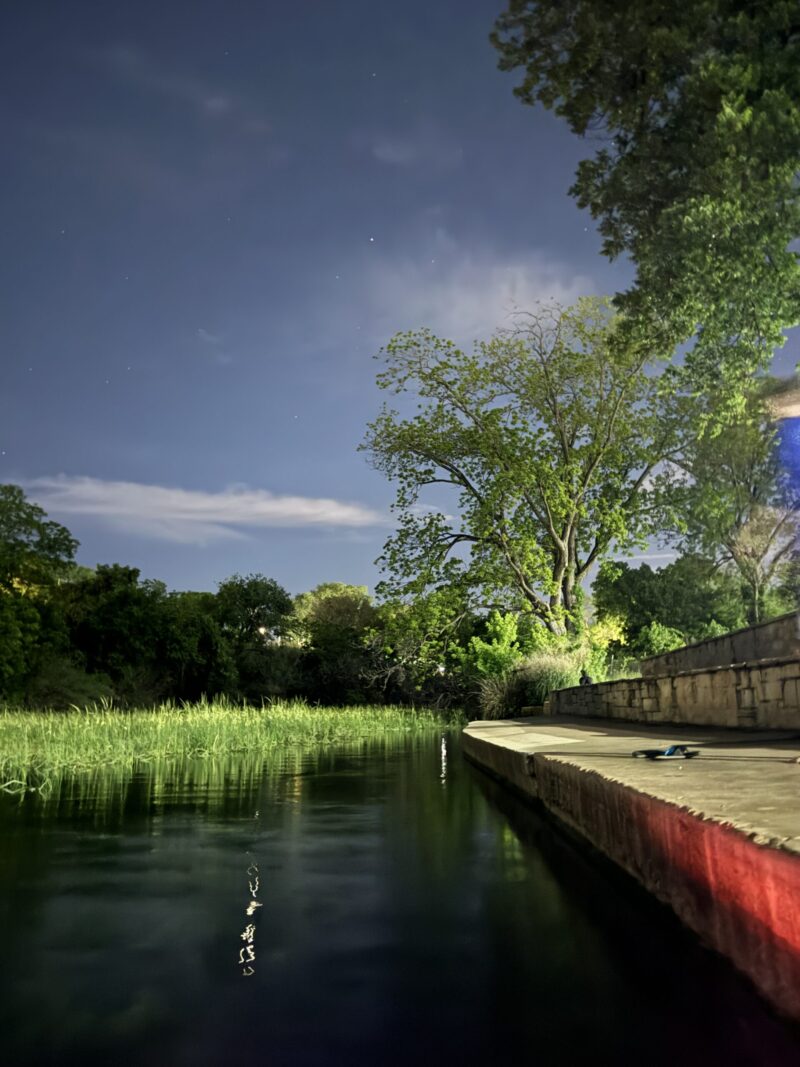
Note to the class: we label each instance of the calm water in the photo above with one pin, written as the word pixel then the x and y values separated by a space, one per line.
pixel 385 905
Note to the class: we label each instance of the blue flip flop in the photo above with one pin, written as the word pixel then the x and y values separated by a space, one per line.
pixel 672 752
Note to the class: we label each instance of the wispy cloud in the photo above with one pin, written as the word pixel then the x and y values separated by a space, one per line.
pixel 462 291
pixel 209 338
pixel 217 148
pixel 214 345
pixel 140 71
pixel 186 175
pixel 192 516
pixel 423 144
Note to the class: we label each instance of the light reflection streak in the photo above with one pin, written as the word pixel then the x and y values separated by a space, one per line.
pixel 247 953
pixel 443 775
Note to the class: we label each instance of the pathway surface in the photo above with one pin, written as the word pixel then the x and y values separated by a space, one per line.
pixel 716 837
pixel 749 780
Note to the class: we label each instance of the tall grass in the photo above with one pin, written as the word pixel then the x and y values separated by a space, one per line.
pixel 529 683
pixel 36 746
pixel 543 672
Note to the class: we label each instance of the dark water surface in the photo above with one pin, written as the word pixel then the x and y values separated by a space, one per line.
pixel 380 905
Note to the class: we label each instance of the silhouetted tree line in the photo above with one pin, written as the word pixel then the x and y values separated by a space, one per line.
pixel 73 635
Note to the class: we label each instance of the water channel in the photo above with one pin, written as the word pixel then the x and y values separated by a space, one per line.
pixel 379 904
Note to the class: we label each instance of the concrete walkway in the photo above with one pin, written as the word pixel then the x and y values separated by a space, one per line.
pixel 716 837
pixel 748 780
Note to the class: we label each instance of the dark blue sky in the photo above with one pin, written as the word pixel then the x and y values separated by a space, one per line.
pixel 213 215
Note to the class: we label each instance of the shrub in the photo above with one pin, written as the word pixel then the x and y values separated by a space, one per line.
pixel 500 695
pixel 543 672
pixel 655 639
pixel 59 683
pixel 498 652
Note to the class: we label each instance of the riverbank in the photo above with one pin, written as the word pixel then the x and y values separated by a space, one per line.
pixel 35 745
pixel 716 837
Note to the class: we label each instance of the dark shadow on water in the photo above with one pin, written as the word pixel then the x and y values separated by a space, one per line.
pixel 710 1013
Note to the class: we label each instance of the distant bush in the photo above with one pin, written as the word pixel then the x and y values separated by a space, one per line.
pixel 620 667
pixel 506 694
pixel 496 653
pixel 500 695
pixel 59 684
pixel 655 639
pixel 543 672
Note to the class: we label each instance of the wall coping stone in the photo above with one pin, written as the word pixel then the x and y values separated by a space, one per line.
pixel 778 661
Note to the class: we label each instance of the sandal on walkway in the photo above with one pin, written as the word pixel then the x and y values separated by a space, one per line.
pixel 673 752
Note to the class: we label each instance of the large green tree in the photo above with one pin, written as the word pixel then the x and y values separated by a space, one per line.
pixel 34 550
pixel 547 435
pixel 252 608
pixel 35 553
pixel 332 605
pixel 690 595
pixel 116 624
pixel 414 647
pixel 694 112
pixel 731 502
pixel 194 654
pixel 331 621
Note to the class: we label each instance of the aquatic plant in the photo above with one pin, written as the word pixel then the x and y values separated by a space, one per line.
pixel 37 745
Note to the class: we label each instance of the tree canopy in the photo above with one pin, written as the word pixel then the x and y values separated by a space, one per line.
pixel 731 503
pixel 695 111
pixel 332 605
pixel 690 596
pixel 34 550
pixel 252 607
pixel 547 434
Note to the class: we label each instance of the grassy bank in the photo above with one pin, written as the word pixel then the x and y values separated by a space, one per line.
pixel 37 745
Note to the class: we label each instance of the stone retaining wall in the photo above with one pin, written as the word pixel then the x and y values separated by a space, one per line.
pixel 738 896
pixel 777 639
pixel 763 695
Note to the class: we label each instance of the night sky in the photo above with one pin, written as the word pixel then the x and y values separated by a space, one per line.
pixel 213 215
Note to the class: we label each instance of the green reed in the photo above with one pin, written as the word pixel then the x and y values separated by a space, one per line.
pixel 36 746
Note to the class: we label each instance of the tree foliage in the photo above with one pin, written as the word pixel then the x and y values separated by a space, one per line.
pixel 251 608
pixel 695 111
pixel 332 604
pixel 332 621
pixel 115 622
pixel 730 501
pixel 546 434
pixel 689 596
pixel 34 550
pixel 495 652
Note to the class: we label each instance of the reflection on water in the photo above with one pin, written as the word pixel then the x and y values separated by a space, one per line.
pixel 247 953
pixel 378 918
